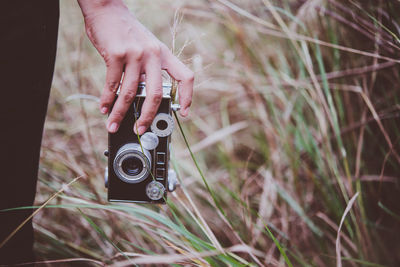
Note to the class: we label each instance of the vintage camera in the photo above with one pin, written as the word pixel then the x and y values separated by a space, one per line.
pixel 138 170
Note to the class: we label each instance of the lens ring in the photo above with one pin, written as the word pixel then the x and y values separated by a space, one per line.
pixel 131 174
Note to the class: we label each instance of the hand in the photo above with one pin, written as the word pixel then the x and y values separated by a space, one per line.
pixel 129 49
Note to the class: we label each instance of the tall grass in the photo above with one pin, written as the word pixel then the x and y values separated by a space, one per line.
pixel 295 111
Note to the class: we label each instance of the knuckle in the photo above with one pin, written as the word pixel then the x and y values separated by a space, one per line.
pixel 188 102
pixel 105 102
pixel 112 86
pixel 117 115
pixel 156 95
pixel 154 50
pixel 136 53
pixel 128 96
pixel 146 119
pixel 117 54
pixel 189 76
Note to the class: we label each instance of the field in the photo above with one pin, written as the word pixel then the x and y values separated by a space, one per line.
pixel 294 132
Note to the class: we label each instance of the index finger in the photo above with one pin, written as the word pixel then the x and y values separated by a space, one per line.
pixel 125 98
pixel 113 78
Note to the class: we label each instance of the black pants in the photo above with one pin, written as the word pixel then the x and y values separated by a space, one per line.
pixel 28 41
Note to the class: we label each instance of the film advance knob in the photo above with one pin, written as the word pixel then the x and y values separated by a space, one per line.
pixel 163 125
pixel 155 190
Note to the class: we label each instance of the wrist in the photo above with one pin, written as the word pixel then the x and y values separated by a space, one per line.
pixel 95 7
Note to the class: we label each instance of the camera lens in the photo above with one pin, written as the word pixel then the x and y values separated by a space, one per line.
pixel 132 166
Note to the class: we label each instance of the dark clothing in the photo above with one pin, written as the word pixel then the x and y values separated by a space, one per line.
pixel 28 41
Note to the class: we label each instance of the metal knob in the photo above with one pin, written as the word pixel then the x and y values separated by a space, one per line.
pixel 155 190
pixel 175 107
pixel 106 177
pixel 172 180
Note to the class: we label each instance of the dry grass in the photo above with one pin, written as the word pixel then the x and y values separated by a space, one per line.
pixel 296 109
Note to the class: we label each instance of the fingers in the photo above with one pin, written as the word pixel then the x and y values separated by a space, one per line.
pixel 113 78
pixel 183 75
pixel 153 95
pixel 125 97
pixel 153 63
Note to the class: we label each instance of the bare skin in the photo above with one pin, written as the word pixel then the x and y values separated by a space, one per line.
pixel 129 49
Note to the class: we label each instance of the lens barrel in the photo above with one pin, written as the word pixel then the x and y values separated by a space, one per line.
pixel 132 165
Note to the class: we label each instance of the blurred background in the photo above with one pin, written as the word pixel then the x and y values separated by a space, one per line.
pixel 295 118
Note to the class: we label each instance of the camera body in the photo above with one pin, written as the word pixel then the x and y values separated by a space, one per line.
pixel 138 167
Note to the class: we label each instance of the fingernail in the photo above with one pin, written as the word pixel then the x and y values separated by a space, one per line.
pixel 104 110
pixel 139 130
pixel 113 127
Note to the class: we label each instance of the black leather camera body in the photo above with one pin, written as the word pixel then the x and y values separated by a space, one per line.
pixel 138 167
